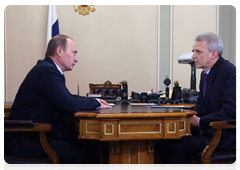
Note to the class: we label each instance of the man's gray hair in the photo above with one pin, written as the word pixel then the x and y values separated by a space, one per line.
pixel 214 41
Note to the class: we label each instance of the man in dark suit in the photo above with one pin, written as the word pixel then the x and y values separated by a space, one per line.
pixel 216 102
pixel 44 98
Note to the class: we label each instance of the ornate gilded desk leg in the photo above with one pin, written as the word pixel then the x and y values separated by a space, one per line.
pixel 150 151
pixel 150 146
pixel 138 152
pixel 115 147
pixel 115 154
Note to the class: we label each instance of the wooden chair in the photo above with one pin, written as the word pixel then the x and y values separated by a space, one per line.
pixel 106 89
pixel 7 109
pixel 212 155
pixel 29 126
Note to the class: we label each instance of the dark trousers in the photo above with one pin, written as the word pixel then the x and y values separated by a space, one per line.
pixel 75 151
pixel 70 153
pixel 179 151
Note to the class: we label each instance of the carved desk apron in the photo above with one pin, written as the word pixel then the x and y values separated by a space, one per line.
pixel 132 129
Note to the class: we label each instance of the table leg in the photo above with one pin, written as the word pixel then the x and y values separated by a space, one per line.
pixel 131 152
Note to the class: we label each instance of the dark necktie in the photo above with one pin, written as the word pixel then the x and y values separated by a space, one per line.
pixel 63 78
pixel 204 84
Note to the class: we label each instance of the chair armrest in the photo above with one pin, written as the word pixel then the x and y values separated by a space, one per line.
pixel 227 124
pixel 12 124
pixel 24 126
pixel 30 126
pixel 218 126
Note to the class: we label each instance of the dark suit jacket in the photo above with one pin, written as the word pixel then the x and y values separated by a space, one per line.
pixel 220 101
pixel 44 98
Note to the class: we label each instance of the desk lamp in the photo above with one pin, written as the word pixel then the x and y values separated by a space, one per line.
pixel 187 59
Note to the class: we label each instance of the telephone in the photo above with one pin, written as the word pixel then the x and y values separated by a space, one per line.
pixel 124 91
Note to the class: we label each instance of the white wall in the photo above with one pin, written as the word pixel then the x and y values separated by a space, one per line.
pixel 114 43
pixel 188 22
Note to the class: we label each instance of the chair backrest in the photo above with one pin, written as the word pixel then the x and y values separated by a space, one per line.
pixel 106 89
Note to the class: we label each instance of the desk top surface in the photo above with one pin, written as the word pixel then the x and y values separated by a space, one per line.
pixel 133 110
pixel 138 108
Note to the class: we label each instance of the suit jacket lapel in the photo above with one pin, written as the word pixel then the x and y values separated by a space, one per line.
pixel 210 80
pixel 51 61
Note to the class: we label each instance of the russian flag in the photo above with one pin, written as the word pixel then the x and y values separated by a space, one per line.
pixel 53 28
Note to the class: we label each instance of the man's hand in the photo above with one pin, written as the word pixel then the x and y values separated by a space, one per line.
pixel 194 121
pixel 104 104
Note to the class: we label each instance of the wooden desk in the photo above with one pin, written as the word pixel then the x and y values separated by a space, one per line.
pixel 132 130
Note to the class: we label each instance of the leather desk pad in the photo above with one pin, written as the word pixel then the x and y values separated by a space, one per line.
pixel 127 108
